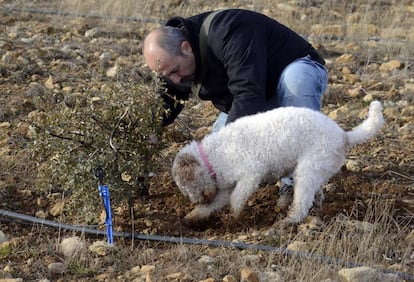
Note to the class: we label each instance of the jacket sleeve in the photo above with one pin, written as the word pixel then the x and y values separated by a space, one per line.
pixel 173 99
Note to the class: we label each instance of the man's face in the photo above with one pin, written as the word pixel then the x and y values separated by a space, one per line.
pixel 178 69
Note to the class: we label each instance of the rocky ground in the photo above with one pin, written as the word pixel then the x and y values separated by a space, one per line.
pixel 71 55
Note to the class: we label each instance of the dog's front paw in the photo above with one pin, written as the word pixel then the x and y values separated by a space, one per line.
pixel 197 215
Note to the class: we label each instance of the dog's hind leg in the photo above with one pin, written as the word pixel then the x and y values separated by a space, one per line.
pixel 245 188
pixel 308 180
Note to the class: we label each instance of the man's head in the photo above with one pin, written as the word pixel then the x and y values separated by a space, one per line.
pixel 169 54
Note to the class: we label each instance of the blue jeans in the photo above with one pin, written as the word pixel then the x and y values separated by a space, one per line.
pixel 302 84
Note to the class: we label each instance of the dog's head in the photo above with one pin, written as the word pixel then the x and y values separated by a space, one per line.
pixel 193 179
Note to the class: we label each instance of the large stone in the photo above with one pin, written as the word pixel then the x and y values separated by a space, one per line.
pixel 72 246
pixel 366 274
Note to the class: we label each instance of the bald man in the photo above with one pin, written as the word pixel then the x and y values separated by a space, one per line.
pixel 253 64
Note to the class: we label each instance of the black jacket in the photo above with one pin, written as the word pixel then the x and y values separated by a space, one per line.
pixel 246 54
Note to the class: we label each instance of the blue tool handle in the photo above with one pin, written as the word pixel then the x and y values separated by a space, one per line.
pixel 104 192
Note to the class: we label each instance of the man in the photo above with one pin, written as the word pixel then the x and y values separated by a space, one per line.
pixel 252 64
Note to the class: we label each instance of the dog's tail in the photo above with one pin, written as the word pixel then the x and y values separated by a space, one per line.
pixel 369 127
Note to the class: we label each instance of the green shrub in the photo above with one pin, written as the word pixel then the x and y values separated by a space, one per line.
pixel 114 129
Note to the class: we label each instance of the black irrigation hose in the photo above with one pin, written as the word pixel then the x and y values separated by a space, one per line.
pixel 80 15
pixel 196 241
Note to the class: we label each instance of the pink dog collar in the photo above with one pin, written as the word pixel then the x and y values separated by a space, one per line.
pixel 205 160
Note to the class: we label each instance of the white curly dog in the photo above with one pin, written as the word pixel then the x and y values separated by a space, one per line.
pixel 229 165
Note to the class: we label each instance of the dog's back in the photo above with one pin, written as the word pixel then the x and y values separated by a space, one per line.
pixel 283 132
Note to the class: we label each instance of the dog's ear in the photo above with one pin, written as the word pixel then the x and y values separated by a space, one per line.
pixel 186 168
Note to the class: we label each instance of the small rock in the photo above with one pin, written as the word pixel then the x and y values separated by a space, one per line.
pixel 297 246
pixel 368 98
pixel 8 268
pixel 148 269
pixel 112 72
pixel 353 165
pixel 57 209
pixel 136 269
pixel 41 214
pixel 355 92
pixel 339 113
pixel 106 56
pixel 208 280
pixel 92 32
pixel 22 60
pixel 206 260
pixel 5 124
pixel 249 275
pixel 408 111
pixel 391 65
pixel 49 84
pixel 409 87
pixel 345 59
pixel 56 268
pixel 176 276
pixel 229 278
pixel 312 223
pixel 363 273
pixel 271 276
pixel 101 248
pixel 3 237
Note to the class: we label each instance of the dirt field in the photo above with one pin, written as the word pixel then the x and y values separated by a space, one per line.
pixel 57 53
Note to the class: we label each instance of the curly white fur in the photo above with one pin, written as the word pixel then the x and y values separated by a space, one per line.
pixel 268 145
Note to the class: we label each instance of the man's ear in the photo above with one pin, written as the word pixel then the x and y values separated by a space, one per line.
pixel 186 47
